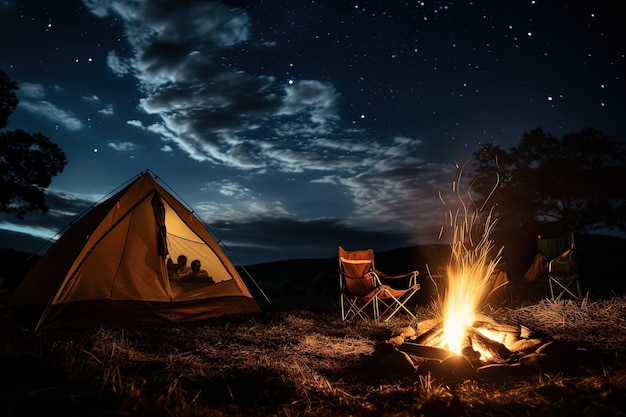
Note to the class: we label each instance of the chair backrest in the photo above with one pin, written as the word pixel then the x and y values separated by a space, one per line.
pixel 554 247
pixel 354 268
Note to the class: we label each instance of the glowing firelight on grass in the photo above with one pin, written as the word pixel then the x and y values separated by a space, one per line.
pixel 472 263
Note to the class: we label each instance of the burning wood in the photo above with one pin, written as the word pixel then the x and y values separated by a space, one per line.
pixel 484 347
pixel 476 346
pixel 491 351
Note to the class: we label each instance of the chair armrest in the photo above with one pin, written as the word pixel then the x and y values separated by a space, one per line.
pixel 343 274
pixel 410 277
pixel 564 259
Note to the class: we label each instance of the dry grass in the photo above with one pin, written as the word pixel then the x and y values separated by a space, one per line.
pixel 294 362
pixel 601 324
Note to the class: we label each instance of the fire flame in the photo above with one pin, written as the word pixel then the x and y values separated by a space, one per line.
pixel 472 263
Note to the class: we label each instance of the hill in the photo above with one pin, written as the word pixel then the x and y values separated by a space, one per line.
pixel 319 277
pixel 599 257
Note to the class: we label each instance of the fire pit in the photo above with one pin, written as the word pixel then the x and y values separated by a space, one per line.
pixel 491 351
pixel 462 344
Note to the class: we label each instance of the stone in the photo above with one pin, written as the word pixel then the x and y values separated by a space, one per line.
pixel 454 368
pixel 502 372
pixel 397 364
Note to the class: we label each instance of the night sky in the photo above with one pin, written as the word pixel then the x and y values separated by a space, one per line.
pixel 292 127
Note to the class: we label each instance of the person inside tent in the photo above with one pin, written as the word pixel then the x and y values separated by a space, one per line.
pixel 198 274
pixel 178 271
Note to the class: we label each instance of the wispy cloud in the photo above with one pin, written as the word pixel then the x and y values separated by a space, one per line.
pixel 136 123
pixel 217 113
pixel 208 109
pixel 92 98
pixel 34 99
pixel 50 111
pixel 122 146
pixel 107 111
pixel 32 90
pixel 238 203
pixel 64 209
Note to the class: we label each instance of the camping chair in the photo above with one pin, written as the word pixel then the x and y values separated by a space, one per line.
pixel 562 266
pixel 363 287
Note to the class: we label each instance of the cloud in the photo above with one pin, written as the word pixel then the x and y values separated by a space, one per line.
pixel 117 65
pixel 232 202
pixel 65 208
pixel 214 112
pixel 316 99
pixel 107 111
pixel 208 109
pixel 34 98
pixel 136 123
pixel 122 146
pixel 32 90
pixel 50 111
pixel 405 197
pixel 92 98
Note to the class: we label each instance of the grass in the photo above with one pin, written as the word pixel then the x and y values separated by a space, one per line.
pixel 296 361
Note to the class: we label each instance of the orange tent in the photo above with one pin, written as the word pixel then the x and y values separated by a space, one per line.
pixel 110 266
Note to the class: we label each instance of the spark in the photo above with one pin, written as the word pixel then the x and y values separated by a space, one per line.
pixel 472 263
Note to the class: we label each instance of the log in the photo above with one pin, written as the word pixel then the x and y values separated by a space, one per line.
pixel 467 349
pixel 496 349
pixel 497 327
pixel 431 335
pixel 499 332
pixel 425 351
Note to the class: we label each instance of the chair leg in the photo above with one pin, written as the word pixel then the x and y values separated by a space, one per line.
pixel 376 309
pixel 396 305
pixel 351 307
pixel 563 289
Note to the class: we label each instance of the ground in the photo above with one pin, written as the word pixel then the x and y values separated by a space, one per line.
pixel 296 360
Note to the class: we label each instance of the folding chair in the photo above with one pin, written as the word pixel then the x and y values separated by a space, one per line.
pixel 562 266
pixel 362 288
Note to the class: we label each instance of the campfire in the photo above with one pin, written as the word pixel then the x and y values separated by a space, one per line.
pixel 461 343
pixel 468 274
pixel 485 341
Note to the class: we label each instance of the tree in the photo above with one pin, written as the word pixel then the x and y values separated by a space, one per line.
pixel 8 98
pixel 550 186
pixel 574 183
pixel 27 161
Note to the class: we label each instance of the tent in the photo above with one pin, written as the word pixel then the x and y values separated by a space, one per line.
pixel 110 267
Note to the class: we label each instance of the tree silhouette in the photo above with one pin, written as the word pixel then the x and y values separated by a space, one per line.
pixel 27 161
pixel 8 99
pixel 550 186
pixel 574 183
